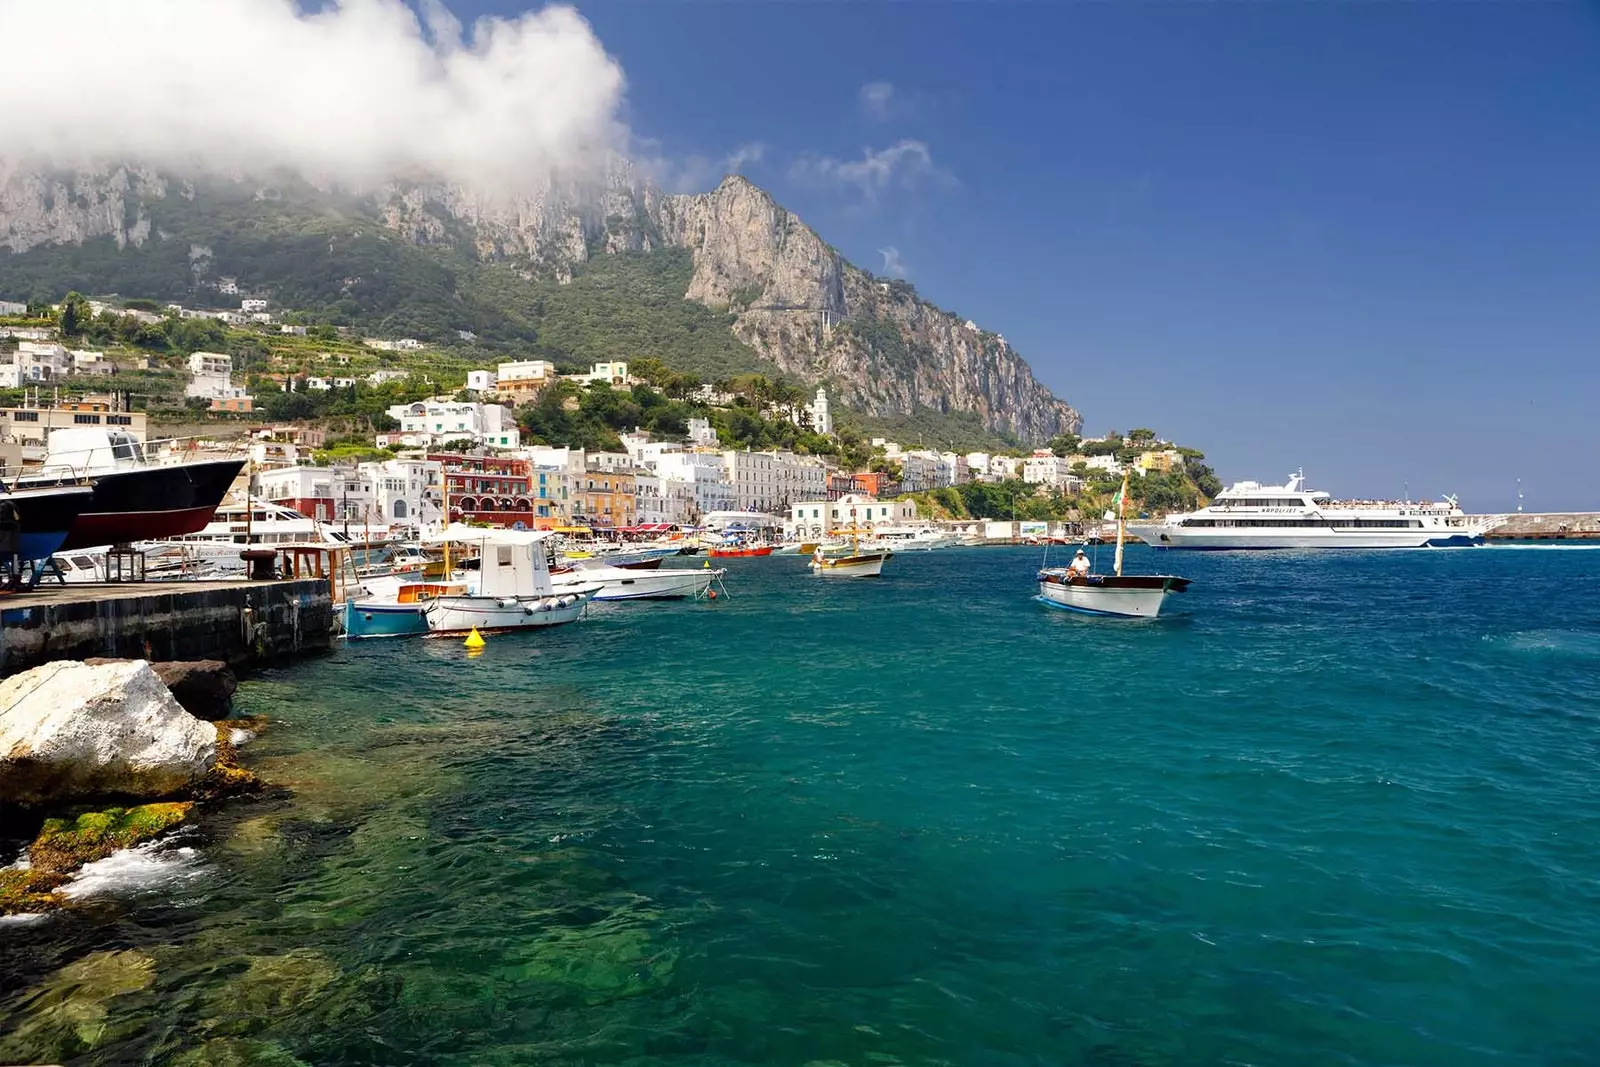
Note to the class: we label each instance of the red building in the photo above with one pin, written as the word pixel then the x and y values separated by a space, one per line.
pixel 875 484
pixel 489 489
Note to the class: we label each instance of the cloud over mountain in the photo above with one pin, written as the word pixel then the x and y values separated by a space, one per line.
pixel 357 92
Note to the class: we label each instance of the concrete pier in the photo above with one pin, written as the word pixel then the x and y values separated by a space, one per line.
pixel 1549 526
pixel 237 621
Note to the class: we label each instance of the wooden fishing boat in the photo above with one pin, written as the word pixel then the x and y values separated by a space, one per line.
pixel 1136 596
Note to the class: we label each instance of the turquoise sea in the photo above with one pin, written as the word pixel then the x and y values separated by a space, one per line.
pixel 1328 810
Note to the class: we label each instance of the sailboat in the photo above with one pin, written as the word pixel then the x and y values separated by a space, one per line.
pixel 1134 596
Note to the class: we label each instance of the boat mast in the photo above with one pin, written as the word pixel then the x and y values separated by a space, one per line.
pixel 1122 506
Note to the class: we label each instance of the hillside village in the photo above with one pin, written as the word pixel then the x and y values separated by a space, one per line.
pixel 392 432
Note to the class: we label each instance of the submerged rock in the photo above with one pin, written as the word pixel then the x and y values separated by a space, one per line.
pixel 67 1014
pixel 70 730
pixel 204 687
pixel 237 1052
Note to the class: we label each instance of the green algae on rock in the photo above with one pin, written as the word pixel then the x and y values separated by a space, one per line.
pixel 64 845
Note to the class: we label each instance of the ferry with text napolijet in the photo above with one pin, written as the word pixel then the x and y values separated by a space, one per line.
pixel 1249 515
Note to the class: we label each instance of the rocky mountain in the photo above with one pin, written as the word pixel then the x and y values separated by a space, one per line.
pixel 390 251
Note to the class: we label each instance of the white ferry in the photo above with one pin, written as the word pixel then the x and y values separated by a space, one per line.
pixel 1252 515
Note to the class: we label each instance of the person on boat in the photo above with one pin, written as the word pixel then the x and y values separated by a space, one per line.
pixel 1079 568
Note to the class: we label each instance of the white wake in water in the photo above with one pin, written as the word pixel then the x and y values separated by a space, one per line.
pixel 137 870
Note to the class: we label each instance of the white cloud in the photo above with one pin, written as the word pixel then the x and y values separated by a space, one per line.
pixel 875 99
pixel 693 173
pixel 743 156
pixel 358 91
pixel 904 164
pixel 893 265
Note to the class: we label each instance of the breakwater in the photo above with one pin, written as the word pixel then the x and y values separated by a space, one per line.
pixel 1549 526
pixel 238 622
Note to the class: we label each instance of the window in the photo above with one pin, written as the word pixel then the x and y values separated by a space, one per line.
pixel 119 420
pixel 399 509
pixel 86 420
pixel 503 555
pixel 25 416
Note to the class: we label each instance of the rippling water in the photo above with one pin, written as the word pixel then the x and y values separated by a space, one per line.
pixel 1330 810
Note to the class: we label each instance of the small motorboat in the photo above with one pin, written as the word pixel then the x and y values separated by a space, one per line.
pixel 620 583
pixel 514 591
pixel 1132 596
pixel 739 551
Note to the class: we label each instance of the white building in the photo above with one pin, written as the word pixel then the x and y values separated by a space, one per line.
pixel 920 470
pixel 659 499
pixel 956 471
pixel 36 361
pixel 262 317
pixel 769 481
pixel 1044 468
pixel 481 381
pixel 378 377
pixel 821 417
pixel 524 378
pixel 1108 464
pixel 211 377
pixel 228 287
pixel 251 306
pixel 701 433
pixel 612 373
pixel 704 478
pixel 432 422
pixel 13 307
pixel 293 331
pixel 408 344
pixel 322 385
pixel 978 465
pixel 91 363
pixel 405 492
pixel 1002 468
pixel 819 518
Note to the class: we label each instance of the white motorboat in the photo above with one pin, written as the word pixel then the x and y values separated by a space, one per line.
pixel 1251 515
pixel 912 537
pixel 514 591
pixel 1138 596
pixel 619 583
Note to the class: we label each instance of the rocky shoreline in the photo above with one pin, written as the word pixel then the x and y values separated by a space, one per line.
pixel 105 755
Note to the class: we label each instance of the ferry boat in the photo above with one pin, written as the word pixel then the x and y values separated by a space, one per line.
pixel 1249 515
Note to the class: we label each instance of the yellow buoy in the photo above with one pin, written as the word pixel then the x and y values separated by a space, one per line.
pixel 706 564
pixel 474 639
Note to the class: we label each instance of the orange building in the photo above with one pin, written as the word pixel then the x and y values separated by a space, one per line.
pixel 609 498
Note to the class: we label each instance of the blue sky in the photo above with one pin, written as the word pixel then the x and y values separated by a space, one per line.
pixel 1359 237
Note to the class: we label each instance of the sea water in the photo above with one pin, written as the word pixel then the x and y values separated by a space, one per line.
pixel 1328 809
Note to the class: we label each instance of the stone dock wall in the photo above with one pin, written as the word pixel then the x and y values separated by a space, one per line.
pixel 1550 526
pixel 238 622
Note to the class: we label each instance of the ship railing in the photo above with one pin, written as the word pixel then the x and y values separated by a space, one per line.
pixel 73 466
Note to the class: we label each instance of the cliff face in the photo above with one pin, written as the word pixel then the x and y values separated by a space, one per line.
pixel 801 305
pixel 795 300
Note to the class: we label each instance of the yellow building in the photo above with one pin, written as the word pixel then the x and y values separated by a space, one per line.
pixel 1161 462
pixel 608 499
pixel 30 426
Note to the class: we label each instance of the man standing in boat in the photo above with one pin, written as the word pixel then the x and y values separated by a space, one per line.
pixel 1080 565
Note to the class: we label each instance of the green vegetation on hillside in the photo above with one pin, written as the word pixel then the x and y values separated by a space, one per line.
pixel 952 431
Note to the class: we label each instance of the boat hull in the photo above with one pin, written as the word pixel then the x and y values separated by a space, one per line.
pixel 462 614
pixel 865 566
pixel 46 516
pixel 739 553
pixel 367 620
pixel 1129 596
pixel 1239 540
pixel 149 503
pixel 661 585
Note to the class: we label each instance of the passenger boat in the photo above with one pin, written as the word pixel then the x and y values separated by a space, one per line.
pixel 134 498
pixel 514 591
pixel 1249 515
pixel 1138 596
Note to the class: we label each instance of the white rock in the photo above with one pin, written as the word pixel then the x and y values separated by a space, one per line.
pixel 69 730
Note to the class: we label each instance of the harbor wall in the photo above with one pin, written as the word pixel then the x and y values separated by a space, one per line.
pixel 1549 526
pixel 239 622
